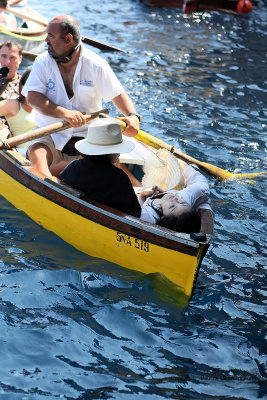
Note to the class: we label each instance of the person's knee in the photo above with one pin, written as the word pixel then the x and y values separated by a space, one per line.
pixel 39 152
pixel 56 169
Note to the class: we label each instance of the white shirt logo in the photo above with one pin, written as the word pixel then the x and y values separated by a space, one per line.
pixel 84 82
pixel 50 85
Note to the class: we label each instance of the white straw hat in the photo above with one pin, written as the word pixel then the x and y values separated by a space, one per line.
pixel 104 136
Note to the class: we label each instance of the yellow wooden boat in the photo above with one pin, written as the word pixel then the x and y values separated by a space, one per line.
pixel 101 231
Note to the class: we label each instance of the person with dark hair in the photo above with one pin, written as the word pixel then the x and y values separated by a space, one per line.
pixel 187 221
pixel 178 210
pixel 66 82
pixel 96 174
pixel 10 57
pixel 19 115
pixel 6 19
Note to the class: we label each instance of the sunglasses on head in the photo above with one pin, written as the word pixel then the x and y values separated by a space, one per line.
pixel 158 196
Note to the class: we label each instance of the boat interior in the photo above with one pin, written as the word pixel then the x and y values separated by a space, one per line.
pixel 207 222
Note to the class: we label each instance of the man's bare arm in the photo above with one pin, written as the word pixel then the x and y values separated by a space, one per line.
pixel 45 106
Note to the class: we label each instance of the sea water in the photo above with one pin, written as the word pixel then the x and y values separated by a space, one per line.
pixel 77 327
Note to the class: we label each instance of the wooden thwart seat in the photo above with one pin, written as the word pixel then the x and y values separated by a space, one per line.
pixel 20 159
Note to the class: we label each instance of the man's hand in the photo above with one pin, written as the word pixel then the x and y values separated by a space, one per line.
pixel 157 190
pixel 145 194
pixel 132 127
pixel 74 118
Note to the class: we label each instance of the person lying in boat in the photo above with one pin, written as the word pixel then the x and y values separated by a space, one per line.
pixel 10 57
pixel 96 174
pixel 66 82
pixel 179 210
pixel 19 115
pixel 7 20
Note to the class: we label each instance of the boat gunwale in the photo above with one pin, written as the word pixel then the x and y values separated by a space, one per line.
pixel 204 5
pixel 38 31
pixel 27 32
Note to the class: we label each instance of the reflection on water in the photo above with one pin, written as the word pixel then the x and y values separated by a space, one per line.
pixel 76 327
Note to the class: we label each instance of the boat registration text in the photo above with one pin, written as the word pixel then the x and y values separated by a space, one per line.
pixel 130 241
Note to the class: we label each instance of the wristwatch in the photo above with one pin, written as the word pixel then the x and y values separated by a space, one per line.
pixel 137 115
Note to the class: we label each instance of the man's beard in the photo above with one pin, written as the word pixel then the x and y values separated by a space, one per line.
pixel 51 51
pixel 62 59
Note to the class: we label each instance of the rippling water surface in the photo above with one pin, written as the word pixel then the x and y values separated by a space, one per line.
pixel 75 327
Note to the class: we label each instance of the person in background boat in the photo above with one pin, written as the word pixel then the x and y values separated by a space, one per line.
pixel 10 57
pixel 19 115
pixel 179 210
pixel 108 184
pixel 66 82
pixel 8 21
pixel 20 6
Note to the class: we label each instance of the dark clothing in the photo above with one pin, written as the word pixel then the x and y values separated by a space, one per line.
pixel 9 88
pixel 69 147
pixel 102 182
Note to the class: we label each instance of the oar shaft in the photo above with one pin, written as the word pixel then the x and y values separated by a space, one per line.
pixel 212 170
pixel 44 131
pixel 158 143
pixel 100 45
pixel 26 17
pixel 84 39
pixel 209 169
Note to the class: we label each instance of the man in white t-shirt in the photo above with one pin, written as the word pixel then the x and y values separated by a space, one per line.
pixel 178 210
pixel 67 82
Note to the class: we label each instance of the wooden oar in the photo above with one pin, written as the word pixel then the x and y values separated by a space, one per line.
pixel 91 42
pixel 100 45
pixel 210 169
pixel 27 17
pixel 45 131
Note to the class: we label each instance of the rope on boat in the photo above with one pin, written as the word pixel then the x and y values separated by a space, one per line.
pixel 18 36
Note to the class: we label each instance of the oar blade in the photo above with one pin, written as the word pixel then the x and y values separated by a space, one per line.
pixel 100 45
pixel 251 175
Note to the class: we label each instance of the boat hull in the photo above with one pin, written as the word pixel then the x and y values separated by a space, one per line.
pixel 196 5
pixel 101 231
pixel 36 47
